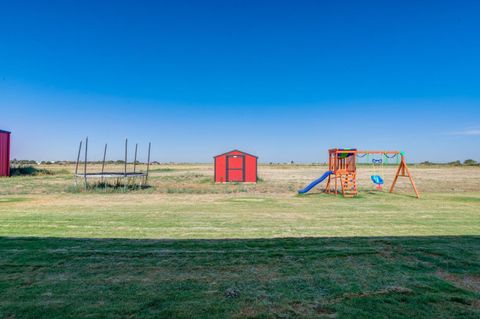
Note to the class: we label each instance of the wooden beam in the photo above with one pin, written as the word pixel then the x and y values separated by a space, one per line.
pixel 411 179
pixel 327 188
pixel 402 168
pixel 378 152
pixel 344 151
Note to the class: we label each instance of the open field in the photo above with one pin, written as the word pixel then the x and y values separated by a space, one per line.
pixel 189 248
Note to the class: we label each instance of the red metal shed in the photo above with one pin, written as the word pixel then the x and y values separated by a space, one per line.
pixel 235 166
pixel 4 153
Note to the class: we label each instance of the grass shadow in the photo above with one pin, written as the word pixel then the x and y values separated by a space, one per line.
pixel 361 277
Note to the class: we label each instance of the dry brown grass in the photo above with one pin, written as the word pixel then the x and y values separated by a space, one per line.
pixel 195 181
pixel 282 178
pixel 469 282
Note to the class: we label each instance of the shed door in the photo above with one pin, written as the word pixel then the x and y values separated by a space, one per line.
pixel 235 168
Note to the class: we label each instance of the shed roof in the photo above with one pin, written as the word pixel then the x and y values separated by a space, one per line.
pixel 235 150
pixel 2 131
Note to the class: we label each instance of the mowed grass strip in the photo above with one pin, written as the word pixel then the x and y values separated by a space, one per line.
pixel 146 216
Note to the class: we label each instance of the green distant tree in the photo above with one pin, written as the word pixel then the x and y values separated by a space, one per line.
pixel 470 162
pixel 455 163
pixel 427 163
pixel 23 162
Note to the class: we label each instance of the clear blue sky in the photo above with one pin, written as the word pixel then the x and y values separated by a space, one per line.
pixel 285 80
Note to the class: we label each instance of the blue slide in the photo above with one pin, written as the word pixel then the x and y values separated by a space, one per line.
pixel 315 182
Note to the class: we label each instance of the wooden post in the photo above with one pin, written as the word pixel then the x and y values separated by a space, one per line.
pixel 403 171
pixel 396 176
pixel 336 186
pixel 327 188
pixel 411 180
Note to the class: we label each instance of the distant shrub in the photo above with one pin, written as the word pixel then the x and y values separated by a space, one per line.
pixel 22 162
pixel 427 163
pixel 29 171
pixel 162 170
pixel 455 163
pixel 470 162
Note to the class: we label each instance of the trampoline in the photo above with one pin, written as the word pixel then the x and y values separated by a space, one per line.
pixel 103 177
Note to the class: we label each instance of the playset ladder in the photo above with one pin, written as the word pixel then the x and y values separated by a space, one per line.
pixel 349 184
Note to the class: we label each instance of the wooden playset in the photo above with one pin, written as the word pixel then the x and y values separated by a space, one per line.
pixel 342 171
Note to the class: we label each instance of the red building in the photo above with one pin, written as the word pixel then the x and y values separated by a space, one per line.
pixel 235 166
pixel 4 153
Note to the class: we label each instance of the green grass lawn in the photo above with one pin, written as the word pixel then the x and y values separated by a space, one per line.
pixel 247 254
pixel 246 216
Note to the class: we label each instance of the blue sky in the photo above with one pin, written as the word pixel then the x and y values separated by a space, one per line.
pixel 285 80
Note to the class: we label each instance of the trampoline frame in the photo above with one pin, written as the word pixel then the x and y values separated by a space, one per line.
pixel 136 178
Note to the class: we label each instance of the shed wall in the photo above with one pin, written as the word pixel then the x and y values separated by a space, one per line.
pixel 250 169
pixel 4 154
pixel 227 167
pixel 220 169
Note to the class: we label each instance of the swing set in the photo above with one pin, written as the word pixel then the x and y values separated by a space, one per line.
pixel 377 163
pixel 342 172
